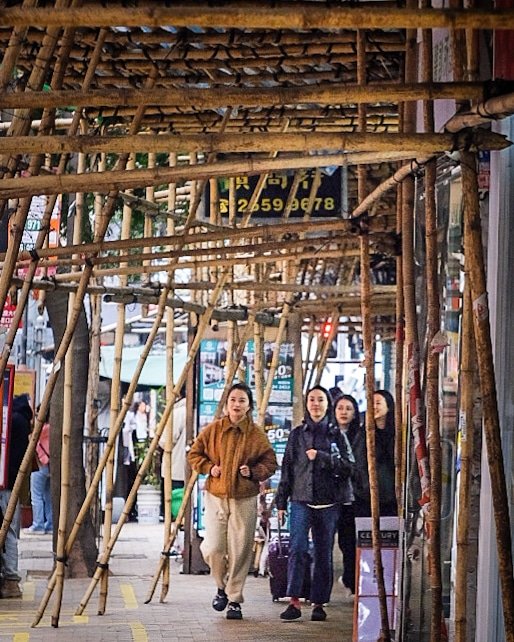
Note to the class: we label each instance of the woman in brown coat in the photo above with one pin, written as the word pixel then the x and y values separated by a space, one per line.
pixel 237 455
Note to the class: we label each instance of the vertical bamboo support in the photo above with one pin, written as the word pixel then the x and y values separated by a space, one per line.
pixel 432 392
pixel 467 433
pixel 94 364
pixel 473 250
pixel 400 432
pixel 327 344
pixel 115 401
pixel 432 373
pixel 258 349
pixel 60 557
pixel 369 360
pixel 168 441
pixel 147 226
pixel 367 336
pixel 312 327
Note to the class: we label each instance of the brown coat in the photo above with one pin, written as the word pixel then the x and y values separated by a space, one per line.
pixel 230 446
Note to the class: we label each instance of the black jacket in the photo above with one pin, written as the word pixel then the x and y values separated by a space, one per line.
pixel 20 431
pixel 326 480
pixel 384 448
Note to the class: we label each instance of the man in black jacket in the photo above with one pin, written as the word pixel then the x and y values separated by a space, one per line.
pixel 19 438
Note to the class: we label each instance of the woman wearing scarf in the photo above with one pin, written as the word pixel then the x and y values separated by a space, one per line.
pixel 315 478
pixel 237 455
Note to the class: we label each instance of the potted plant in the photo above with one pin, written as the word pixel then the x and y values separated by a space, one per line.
pixel 149 494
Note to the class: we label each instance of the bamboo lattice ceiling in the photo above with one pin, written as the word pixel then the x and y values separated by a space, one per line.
pixel 228 75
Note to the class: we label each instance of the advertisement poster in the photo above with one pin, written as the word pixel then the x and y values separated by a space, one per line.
pixel 273 198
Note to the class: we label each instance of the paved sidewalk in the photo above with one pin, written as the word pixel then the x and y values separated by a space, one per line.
pixel 185 617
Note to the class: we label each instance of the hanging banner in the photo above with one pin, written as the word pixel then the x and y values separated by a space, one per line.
pixel 273 198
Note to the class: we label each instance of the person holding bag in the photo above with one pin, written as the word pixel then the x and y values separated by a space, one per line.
pixel 315 478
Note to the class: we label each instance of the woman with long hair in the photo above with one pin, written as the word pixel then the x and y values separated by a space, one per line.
pixel 346 413
pixel 236 455
pixel 315 480
pixel 383 414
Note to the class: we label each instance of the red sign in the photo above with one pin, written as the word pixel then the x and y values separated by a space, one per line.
pixel 8 315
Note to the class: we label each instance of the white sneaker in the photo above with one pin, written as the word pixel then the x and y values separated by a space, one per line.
pixel 348 593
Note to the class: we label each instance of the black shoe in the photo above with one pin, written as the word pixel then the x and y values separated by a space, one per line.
pixel 234 611
pixel 318 614
pixel 291 613
pixel 220 601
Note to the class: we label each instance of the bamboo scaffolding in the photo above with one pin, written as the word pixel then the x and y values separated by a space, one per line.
pixel 61 352
pixel 467 433
pixel 104 557
pixel 310 336
pixel 474 250
pixel 42 235
pixel 215 97
pixel 244 15
pixel 411 145
pixel 119 180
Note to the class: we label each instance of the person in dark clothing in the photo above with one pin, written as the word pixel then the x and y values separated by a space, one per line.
pixel 383 413
pixel 347 418
pixel 21 419
pixel 315 478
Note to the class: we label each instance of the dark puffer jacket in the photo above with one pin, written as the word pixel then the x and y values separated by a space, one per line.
pixel 20 431
pixel 384 447
pixel 326 479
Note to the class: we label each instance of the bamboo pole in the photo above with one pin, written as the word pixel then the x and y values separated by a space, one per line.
pixel 114 404
pixel 326 345
pixel 312 326
pixel 369 360
pixel 467 433
pixel 258 349
pixel 432 367
pixel 12 51
pixel 473 249
pixel 400 431
pixel 104 557
pixel 382 242
pixel 417 424
pixel 119 180
pixel 60 557
pixel 367 335
pixel 341 225
pixel 213 98
pixel 412 144
pixel 170 384
pixel 245 15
